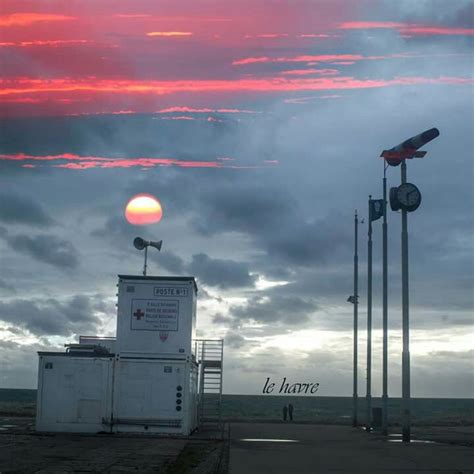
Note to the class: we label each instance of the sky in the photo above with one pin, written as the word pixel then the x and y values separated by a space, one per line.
pixel 259 126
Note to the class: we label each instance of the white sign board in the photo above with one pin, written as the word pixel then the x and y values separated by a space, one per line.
pixel 155 315
pixel 176 291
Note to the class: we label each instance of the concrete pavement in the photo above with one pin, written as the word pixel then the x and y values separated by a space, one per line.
pixel 300 448
pixel 22 450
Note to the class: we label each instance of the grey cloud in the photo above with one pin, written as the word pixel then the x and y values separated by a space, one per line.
pixel 169 261
pixel 206 295
pixel 119 235
pixel 259 363
pixel 16 331
pixel 336 358
pixel 46 248
pixel 116 227
pixel 309 243
pixel 221 273
pixel 289 310
pixel 234 340
pixel 51 316
pixel 6 287
pixel 274 220
pixel 16 209
pixel 221 319
pixel 19 367
pixel 442 371
pixel 458 13
pixel 4 344
pixel 467 356
pixel 139 135
pixel 246 207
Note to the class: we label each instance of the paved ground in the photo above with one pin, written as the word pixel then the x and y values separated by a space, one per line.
pixel 312 449
pixel 24 451
pixel 47 454
pixel 296 448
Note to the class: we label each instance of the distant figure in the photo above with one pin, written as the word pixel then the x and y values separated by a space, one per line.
pixel 290 411
pixel 285 411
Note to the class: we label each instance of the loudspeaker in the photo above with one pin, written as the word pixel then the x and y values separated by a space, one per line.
pixel 157 245
pixel 139 243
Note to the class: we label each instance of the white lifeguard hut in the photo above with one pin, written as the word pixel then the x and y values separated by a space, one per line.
pixel 154 377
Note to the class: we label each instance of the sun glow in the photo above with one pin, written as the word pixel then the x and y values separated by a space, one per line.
pixel 264 284
pixel 143 209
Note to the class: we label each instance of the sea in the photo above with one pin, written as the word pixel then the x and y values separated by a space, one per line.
pixel 308 409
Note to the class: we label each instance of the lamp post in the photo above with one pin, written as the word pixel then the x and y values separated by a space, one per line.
pixel 369 324
pixel 407 198
pixel 354 299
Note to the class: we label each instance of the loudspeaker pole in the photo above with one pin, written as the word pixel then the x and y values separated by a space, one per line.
pixel 141 244
pixel 146 255
pixel 405 322
pixel 385 307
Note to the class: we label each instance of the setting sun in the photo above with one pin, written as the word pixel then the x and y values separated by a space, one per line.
pixel 143 209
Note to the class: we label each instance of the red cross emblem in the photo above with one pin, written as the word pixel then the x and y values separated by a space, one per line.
pixel 139 314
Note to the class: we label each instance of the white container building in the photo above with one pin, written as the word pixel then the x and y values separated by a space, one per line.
pixel 156 316
pixel 145 381
pixel 74 391
pixel 155 396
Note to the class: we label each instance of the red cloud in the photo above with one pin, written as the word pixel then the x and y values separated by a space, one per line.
pixel 25 44
pixel 132 15
pixel 272 35
pixel 433 30
pixel 178 117
pixel 362 25
pixel 169 33
pixel 25 19
pixel 314 35
pixel 305 72
pixel 407 29
pixel 192 110
pixel 78 162
pixel 93 96
pixel 301 59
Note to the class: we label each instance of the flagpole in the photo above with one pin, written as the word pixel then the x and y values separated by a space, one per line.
pixel 385 307
pixel 369 322
pixel 355 302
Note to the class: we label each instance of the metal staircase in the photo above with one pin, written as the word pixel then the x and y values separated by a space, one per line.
pixel 209 354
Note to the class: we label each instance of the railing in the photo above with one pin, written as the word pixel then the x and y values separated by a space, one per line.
pixel 209 354
pixel 208 349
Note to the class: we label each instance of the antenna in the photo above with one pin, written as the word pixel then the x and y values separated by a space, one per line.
pixel 141 244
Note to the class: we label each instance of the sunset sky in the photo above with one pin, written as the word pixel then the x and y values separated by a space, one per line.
pixel 258 125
